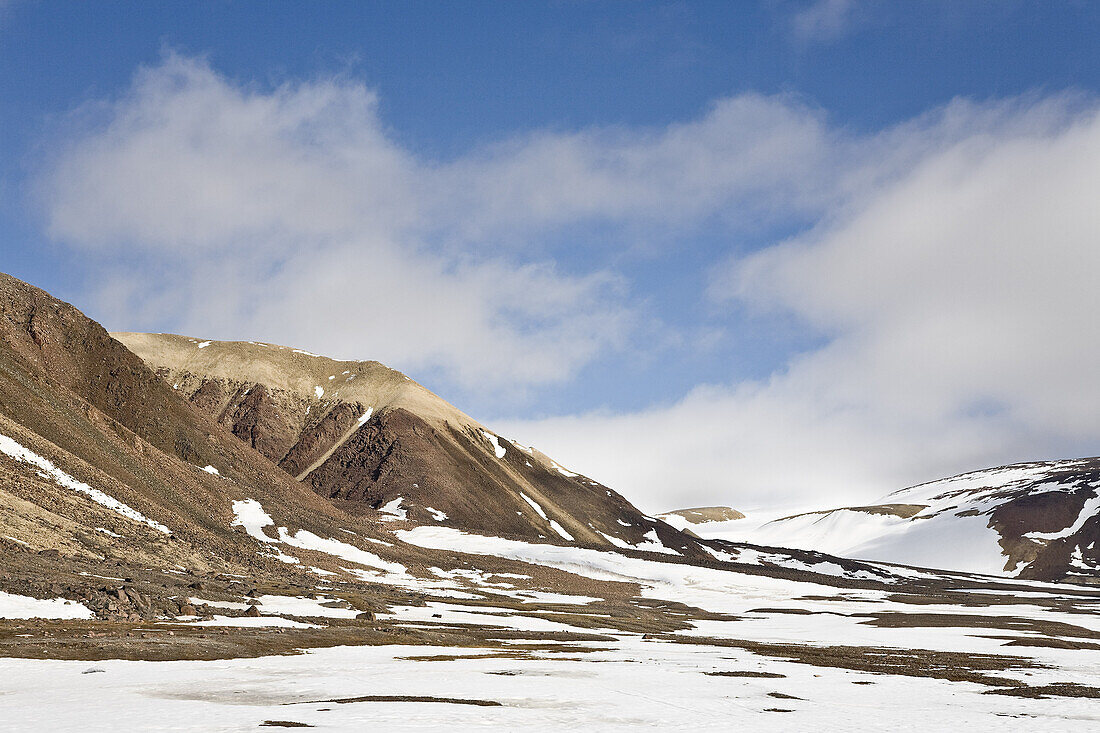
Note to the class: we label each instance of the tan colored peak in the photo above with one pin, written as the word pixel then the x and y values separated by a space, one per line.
pixel 297 371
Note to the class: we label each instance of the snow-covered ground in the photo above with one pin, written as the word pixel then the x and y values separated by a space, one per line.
pixel 966 543
pixel 750 650
pixel 633 685
pixel 17 606
pixel 834 620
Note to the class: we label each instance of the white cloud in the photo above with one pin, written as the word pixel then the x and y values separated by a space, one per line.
pixel 289 215
pixel 227 210
pixel 960 302
pixel 747 158
pixel 188 161
pixel 824 20
pixel 371 300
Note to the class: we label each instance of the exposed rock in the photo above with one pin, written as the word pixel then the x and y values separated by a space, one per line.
pixel 704 514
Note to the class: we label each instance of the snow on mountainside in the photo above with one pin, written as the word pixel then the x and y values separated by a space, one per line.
pixel 1030 520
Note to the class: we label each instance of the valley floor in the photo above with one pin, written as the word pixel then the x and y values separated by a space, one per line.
pixel 736 650
pixel 630 684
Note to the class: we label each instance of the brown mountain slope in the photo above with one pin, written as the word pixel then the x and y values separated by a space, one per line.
pixel 366 436
pixel 85 426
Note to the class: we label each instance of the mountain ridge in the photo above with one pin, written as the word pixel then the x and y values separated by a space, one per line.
pixel 368 437
pixel 1038 520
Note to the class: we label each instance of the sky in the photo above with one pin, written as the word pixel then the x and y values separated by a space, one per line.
pixel 786 254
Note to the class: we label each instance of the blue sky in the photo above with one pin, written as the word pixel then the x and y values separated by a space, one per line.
pixel 635 234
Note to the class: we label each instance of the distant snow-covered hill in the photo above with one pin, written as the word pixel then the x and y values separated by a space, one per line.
pixel 1031 520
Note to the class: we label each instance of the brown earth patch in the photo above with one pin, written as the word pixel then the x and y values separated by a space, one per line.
pixel 951 666
pixel 1056 689
pixel 746 673
pixel 401 698
pixel 942 620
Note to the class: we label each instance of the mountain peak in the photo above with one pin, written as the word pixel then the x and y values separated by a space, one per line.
pixel 371 439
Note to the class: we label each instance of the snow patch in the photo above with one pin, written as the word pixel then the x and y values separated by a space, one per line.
pixel 306 540
pixel 534 505
pixel 653 544
pixel 499 449
pixel 560 530
pixel 15 606
pixel 1090 509
pixel 393 508
pixel 251 515
pixel 617 542
pixel 255 622
pixel 276 554
pixel 301 606
pixel 569 474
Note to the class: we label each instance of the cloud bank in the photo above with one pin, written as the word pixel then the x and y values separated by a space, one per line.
pixel 960 308
pixel 291 214
pixel 944 267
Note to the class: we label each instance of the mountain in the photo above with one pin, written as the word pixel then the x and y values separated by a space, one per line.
pixel 683 519
pixel 103 466
pixel 371 440
pixel 110 474
pixel 117 485
pixel 1030 520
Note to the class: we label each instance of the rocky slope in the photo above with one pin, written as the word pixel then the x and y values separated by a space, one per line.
pixel 106 473
pixel 371 440
pixel 1038 521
